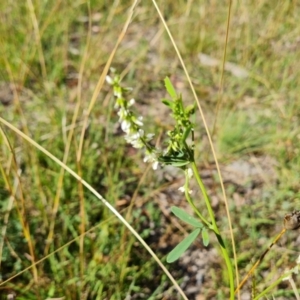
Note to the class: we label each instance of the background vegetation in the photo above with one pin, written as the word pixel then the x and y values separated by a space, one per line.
pixel 52 54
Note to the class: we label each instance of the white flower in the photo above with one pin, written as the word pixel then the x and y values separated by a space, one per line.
pixel 137 144
pixel 125 125
pixel 130 124
pixel 155 165
pixel 109 80
pixel 138 121
pixel 134 138
pixel 131 102
pixel 118 94
pixel 182 189
pixel 189 173
pixel 152 158
pixel 141 133
pixel 149 136
pixel 130 138
pixel 137 135
pixel 122 113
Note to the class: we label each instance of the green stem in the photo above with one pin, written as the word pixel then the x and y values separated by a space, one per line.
pixel 191 203
pixel 215 228
pixel 206 199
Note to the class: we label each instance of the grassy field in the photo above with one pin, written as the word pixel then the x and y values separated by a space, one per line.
pixel 59 241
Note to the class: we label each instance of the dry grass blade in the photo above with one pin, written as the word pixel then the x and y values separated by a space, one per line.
pixel 291 222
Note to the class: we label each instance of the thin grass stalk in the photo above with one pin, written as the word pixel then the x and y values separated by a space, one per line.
pixel 33 161
pixel 294 287
pixel 78 163
pixel 21 210
pixel 21 213
pixel 50 16
pixel 9 206
pixel 82 223
pixel 38 39
pixel 221 85
pixel 32 158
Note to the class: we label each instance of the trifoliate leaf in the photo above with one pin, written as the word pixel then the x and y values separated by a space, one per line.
pixel 183 246
pixel 185 217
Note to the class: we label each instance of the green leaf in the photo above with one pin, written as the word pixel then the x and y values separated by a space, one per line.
pixel 168 103
pixel 190 109
pixel 173 161
pixel 170 88
pixel 177 163
pixel 176 159
pixel 205 237
pixel 185 217
pixel 183 246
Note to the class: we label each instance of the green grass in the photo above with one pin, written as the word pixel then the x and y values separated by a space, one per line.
pixel 258 118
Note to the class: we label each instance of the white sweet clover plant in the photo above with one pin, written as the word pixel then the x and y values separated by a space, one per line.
pixel 179 152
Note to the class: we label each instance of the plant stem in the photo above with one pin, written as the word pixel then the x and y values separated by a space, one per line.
pixel 215 228
pixel 191 203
